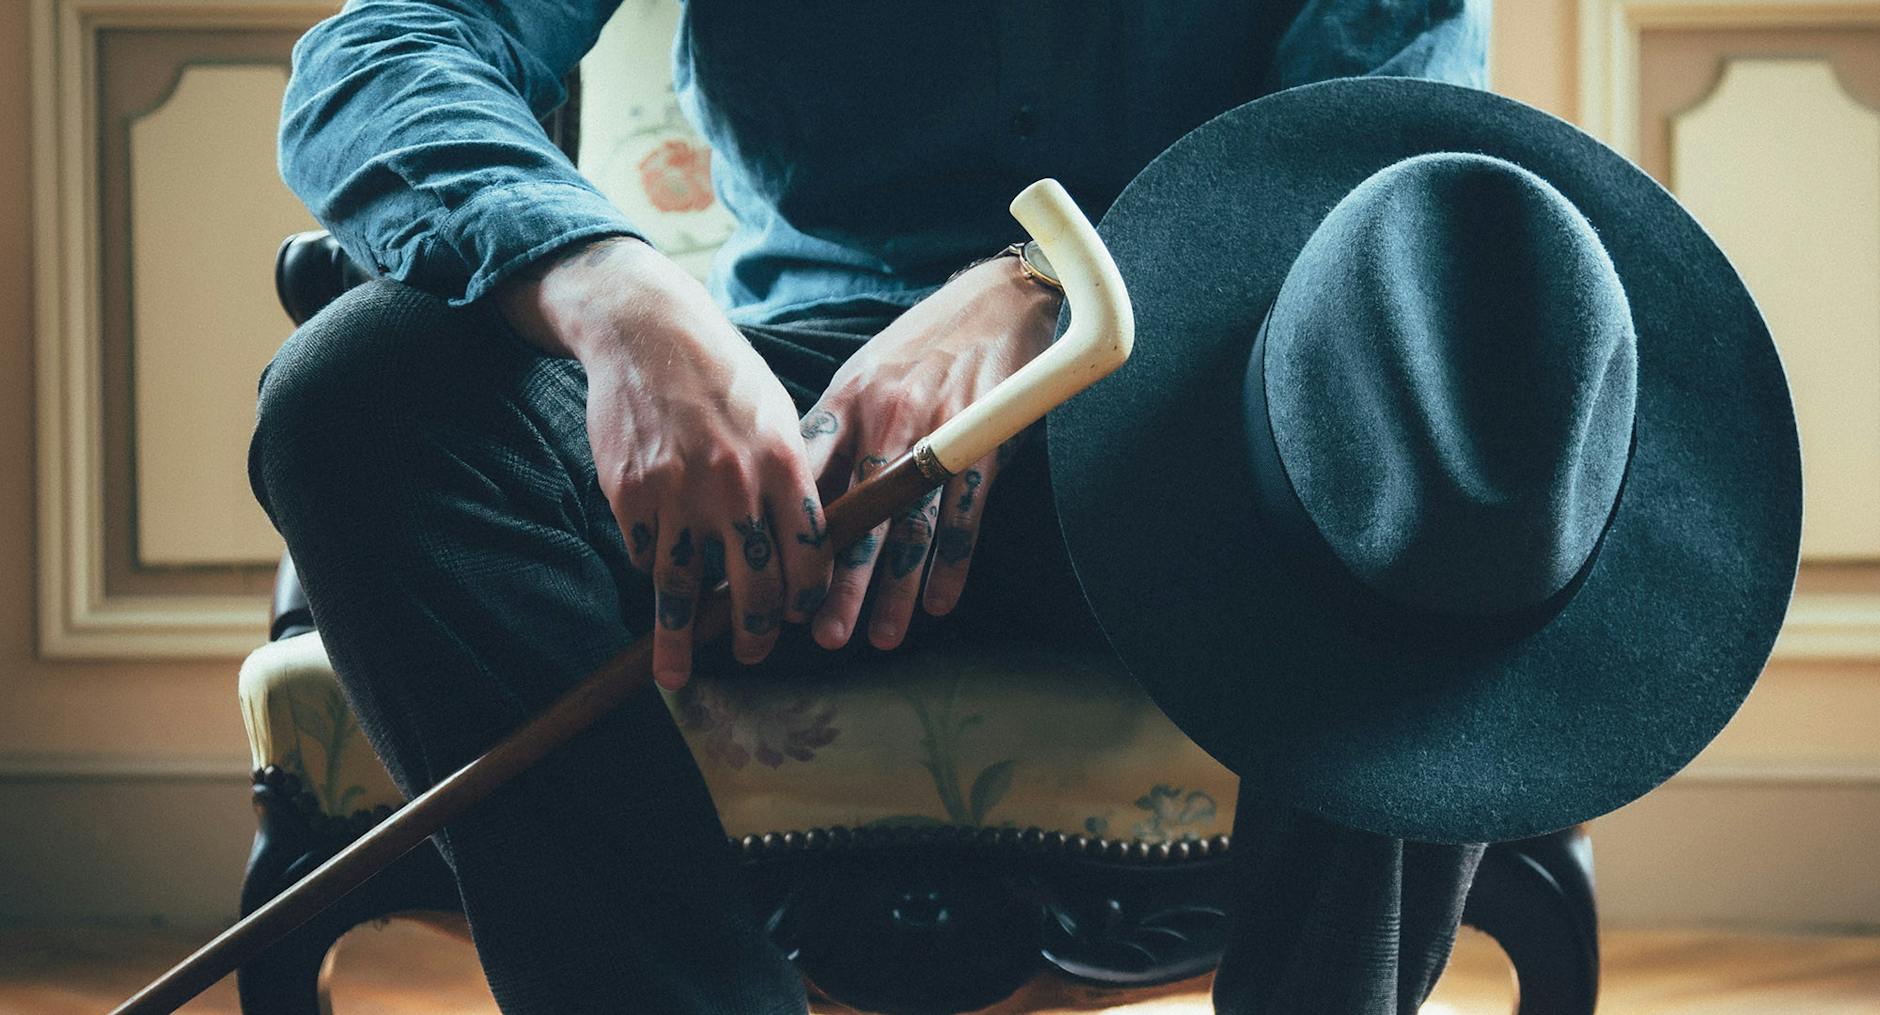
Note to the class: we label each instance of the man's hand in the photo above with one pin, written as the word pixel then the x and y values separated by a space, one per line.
pixel 696 443
pixel 928 365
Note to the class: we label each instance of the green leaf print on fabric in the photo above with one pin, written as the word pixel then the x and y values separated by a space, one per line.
pixel 940 744
pixel 326 721
pixel 993 783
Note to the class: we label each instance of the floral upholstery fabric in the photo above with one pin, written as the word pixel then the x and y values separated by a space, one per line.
pixel 636 144
pixel 992 739
pixel 299 722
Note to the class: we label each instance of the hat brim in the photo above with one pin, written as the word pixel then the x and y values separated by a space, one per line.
pixel 1425 741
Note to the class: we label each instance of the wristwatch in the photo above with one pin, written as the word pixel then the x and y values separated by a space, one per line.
pixel 1034 264
pixel 1031 262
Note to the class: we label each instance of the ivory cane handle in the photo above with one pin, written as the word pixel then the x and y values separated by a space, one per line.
pixel 1101 333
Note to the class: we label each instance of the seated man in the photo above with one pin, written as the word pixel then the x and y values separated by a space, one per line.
pixel 538 439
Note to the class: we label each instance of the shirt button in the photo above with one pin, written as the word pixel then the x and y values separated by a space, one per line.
pixel 1024 122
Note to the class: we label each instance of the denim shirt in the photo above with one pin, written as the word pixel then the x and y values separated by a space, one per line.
pixel 864 150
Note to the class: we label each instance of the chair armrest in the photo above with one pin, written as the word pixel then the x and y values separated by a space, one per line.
pixel 291 616
pixel 311 270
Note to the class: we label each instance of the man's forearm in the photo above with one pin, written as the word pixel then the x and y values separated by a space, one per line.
pixel 409 129
pixel 553 303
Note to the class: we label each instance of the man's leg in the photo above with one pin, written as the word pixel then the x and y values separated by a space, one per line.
pixel 1333 921
pixel 432 479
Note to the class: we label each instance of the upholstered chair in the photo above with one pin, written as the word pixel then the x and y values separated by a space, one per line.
pixel 930 838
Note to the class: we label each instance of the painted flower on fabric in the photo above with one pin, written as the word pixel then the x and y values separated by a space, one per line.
pixel 1172 813
pixel 677 176
pixel 738 720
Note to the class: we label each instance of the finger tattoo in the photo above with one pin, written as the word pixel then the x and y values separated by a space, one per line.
pixel 642 539
pixel 905 556
pixel 675 608
pixel 972 479
pixel 906 548
pixel 761 623
pixel 816 533
pixel 682 550
pixel 756 542
pixel 925 509
pixel 954 543
pixel 860 553
pixel 820 423
pixel 810 600
pixel 869 466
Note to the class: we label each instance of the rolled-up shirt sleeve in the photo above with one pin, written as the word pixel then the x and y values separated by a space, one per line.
pixel 410 130
pixel 1439 40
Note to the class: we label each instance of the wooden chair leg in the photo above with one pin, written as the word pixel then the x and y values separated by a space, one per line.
pixel 1535 898
pixel 289 978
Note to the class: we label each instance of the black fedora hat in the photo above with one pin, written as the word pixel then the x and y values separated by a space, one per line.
pixel 1453 489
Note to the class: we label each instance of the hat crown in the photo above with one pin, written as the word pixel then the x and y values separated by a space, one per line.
pixel 1450 376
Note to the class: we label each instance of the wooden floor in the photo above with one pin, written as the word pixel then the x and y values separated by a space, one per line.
pixel 412 970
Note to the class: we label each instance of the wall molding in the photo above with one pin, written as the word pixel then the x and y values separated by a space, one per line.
pixel 1609 46
pixel 77 617
pixel 1831 626
pixel 1820 626
pixel 105 766
pixel 1708 775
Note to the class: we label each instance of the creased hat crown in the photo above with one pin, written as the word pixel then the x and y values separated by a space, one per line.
pixel 1450 373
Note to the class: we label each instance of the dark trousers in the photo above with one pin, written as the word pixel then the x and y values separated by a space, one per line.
pixel 432 477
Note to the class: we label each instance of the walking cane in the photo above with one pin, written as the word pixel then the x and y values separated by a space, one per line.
pixel 1102 329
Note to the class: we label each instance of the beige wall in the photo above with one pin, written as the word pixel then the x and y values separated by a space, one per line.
pixel 121 784
pixel 1533 56
pixel 74 735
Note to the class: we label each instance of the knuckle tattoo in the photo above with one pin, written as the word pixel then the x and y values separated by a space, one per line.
pixel 641 536
pixel 812 518
pixel 819 423
pixel 757 551
pixel 859 554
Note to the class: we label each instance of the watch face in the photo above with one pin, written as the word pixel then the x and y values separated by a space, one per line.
pixel 1033 257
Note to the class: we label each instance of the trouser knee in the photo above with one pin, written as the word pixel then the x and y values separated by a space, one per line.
pixel 353 377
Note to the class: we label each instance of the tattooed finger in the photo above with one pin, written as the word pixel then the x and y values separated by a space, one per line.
pixel 909 537
pixel 963 505
pixel 819 423
pixel 756 587
pixel 848 586
pixel 676 592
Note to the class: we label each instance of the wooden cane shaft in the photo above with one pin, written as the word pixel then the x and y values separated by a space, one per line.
pixel 898 486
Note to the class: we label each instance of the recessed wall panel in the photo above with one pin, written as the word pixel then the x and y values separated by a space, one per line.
pixel 207 211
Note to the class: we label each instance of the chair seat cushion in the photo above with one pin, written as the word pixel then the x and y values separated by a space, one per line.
pixel 299 722
pixel 989 738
